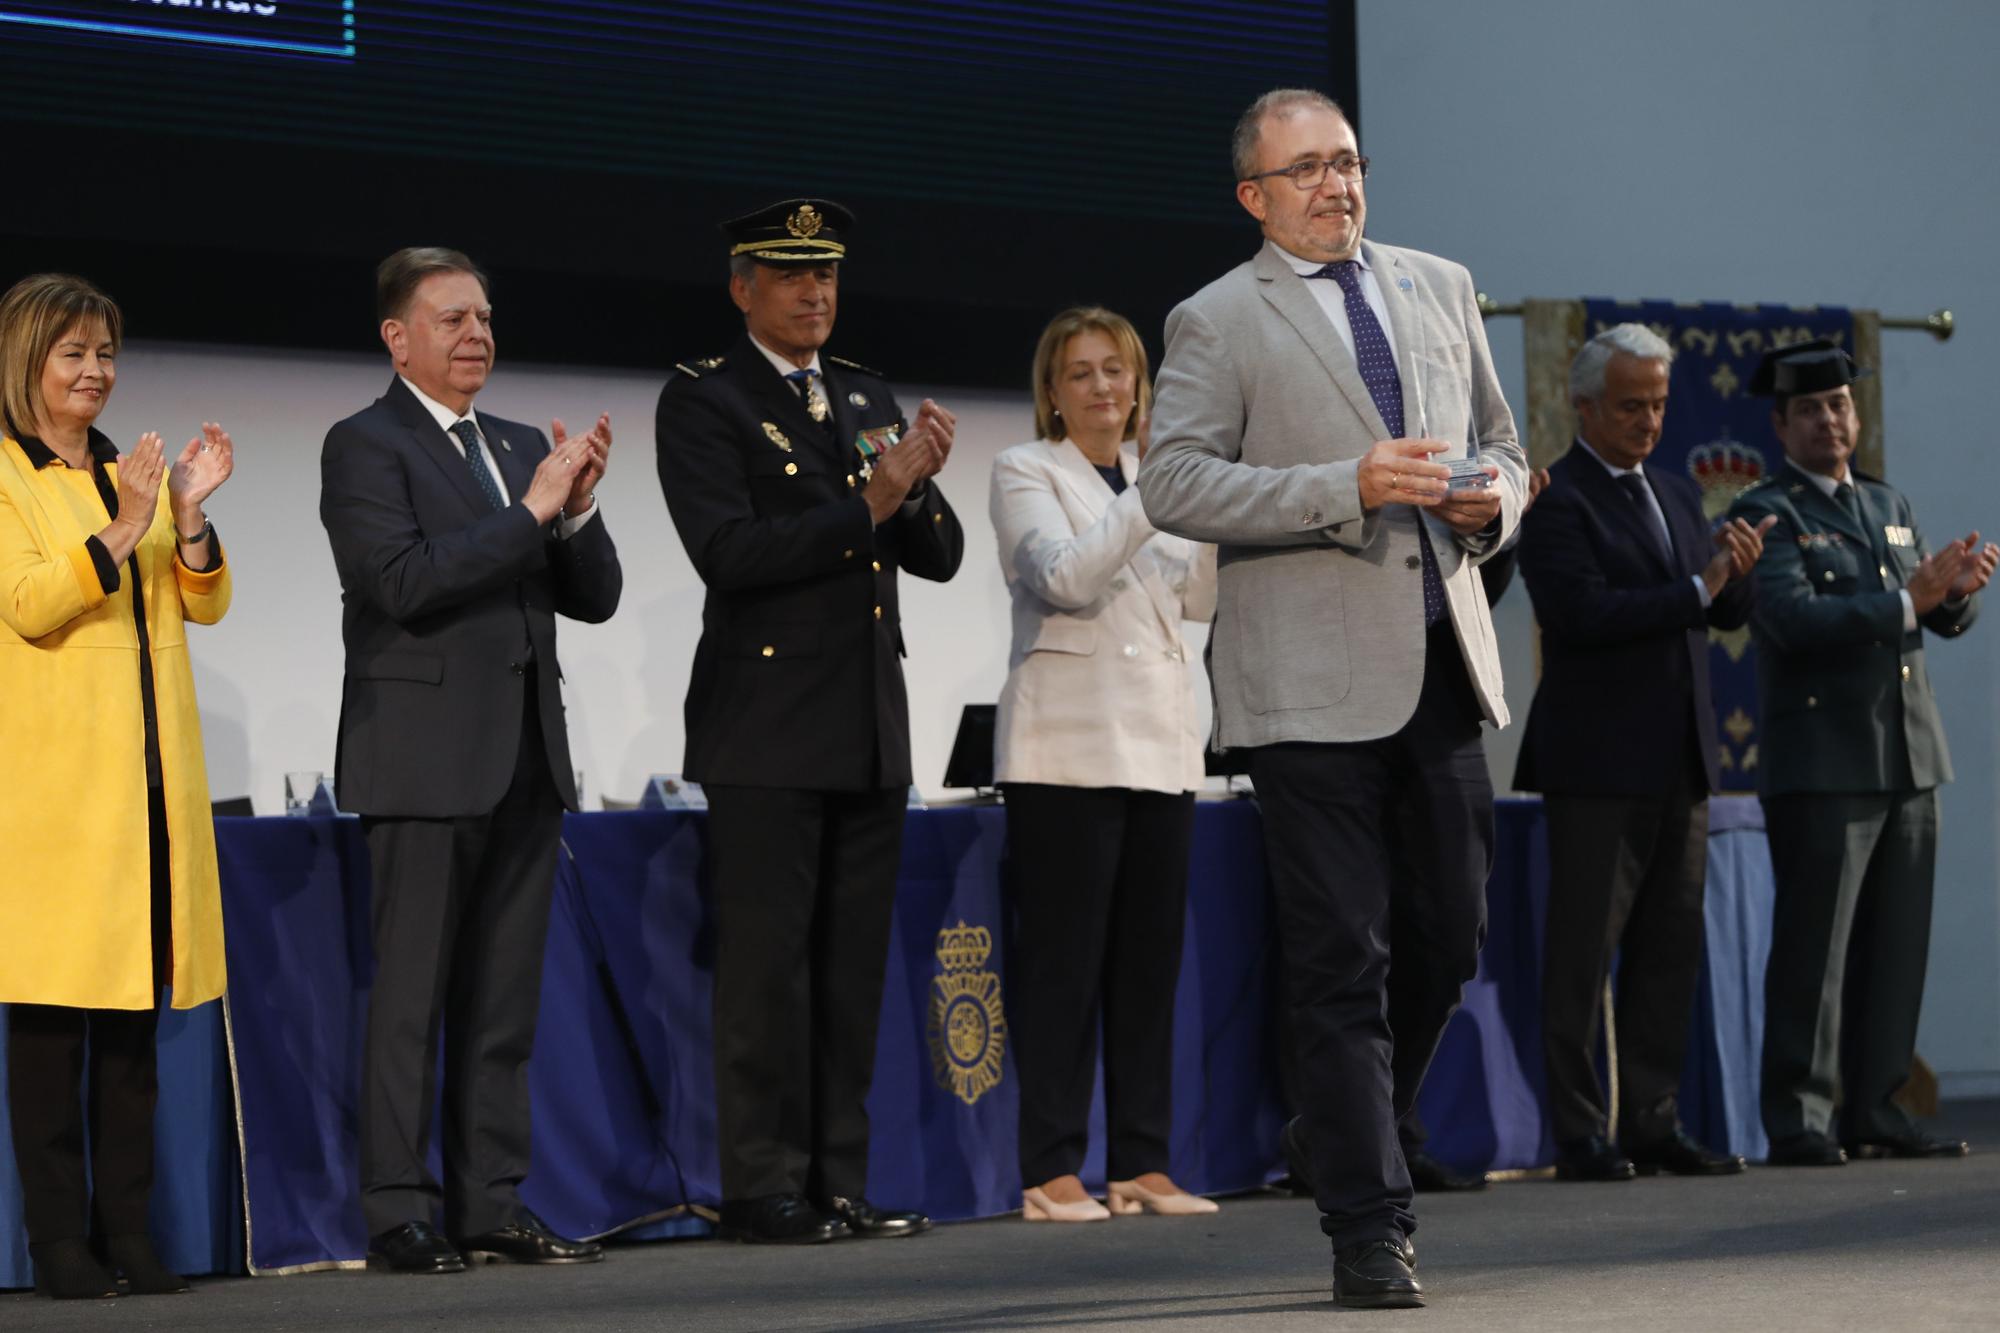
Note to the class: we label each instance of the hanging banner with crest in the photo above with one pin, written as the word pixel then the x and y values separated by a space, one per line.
pixel 1715 432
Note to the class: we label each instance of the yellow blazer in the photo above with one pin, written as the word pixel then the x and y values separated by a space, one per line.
pixel 76 893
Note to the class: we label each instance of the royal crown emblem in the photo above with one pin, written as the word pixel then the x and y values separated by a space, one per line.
pixel 968 1026
pixel 805 223
pixel 1724 470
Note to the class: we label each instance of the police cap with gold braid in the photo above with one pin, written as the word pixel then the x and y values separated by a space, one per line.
pixel 797 231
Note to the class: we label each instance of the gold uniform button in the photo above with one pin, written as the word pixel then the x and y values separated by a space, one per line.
pixel 791 469
pixel 1827 577
pixel 1906 673
pixel 937 518
pixel 848 554
pixel 770 651
pixel 1883 570
pixel 1812 701
pixel 878 613
pixel 850 479
pixel 876 565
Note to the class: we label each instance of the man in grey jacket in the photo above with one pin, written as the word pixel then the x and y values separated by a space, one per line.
pixel 1306 411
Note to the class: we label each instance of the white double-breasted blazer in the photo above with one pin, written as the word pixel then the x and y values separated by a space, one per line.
pixel 1099 691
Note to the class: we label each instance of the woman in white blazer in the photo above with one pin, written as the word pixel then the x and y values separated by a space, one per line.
pixel 1098 751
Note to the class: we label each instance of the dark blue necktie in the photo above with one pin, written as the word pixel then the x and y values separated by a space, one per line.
pixel 816 406
pixel 475 458
pixel 1634 487
pixel 1378 372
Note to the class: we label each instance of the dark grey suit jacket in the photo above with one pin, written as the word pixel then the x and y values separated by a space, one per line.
pixel 445 602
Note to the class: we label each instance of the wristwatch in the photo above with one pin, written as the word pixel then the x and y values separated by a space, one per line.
pixel 207 530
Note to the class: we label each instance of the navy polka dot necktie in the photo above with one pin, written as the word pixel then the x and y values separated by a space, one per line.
pixel 475 458
pixel 1378 372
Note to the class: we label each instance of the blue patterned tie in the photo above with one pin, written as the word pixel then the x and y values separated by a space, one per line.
pixel 1378 372
pixel 475 458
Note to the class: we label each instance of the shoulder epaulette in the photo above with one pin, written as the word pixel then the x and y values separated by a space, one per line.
pixel 694 370
pixel 856 365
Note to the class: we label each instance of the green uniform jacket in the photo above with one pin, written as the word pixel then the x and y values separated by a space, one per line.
pixel 1846 699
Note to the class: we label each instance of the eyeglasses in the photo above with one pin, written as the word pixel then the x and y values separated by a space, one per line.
pixel 1311 174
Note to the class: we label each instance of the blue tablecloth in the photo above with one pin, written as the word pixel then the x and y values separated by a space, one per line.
pixel 622 1083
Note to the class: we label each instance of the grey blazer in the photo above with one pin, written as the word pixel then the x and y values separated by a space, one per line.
pixel 1260 420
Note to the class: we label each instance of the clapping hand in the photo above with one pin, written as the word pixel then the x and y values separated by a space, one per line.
pixel 1738 548
pixel 198 473
pixel 915 459
pixel 1977 570
pixel 598 443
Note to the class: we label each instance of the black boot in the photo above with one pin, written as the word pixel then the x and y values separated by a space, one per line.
pixel 65 1270
pixel 144 1273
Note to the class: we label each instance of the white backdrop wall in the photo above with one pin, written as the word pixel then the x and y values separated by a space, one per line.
pixel 1743 150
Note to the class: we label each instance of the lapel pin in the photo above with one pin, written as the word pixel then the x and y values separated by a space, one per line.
pixel 858 399
pixel 1406 285
pixel 504 445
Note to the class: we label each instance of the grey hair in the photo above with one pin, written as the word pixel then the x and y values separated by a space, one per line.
pixel 1586 373
pixel 1277 102
pixel 744 267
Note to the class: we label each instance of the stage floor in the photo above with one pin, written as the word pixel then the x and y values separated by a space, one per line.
pixel 1881 1244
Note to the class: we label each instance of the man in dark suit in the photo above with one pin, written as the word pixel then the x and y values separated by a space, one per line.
pixel 1626 583
pixel 1851 757
pixel 459 537
pixel 799 491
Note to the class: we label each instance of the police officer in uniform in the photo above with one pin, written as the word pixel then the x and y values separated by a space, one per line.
pixel 1850 760
pixel 799 489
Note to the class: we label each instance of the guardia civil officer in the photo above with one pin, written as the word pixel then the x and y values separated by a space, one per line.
pixel 1850 759
pixel 800 488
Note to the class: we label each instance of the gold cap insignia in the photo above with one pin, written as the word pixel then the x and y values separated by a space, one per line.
pixel 776 436
pixel 805 223
pixel 967 1030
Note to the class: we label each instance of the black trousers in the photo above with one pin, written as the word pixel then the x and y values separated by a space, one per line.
pixel 461 909
pixel 1850 942
pixel 56 1125
pixel 803 885
pixel 1626 876
pixel 1334 830
pixel 1099 882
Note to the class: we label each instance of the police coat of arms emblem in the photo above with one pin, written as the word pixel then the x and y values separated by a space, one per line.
pixel 968 1025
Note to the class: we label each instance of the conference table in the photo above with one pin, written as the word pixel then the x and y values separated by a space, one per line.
pixel 257 1116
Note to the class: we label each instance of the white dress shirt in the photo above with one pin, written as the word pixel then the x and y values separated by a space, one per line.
pixel 1827 486
pixel 1652 503
pixel 1333 300
pixel 447 420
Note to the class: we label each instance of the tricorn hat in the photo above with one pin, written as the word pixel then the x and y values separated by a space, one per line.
pixel 1807 367
pixel 796 231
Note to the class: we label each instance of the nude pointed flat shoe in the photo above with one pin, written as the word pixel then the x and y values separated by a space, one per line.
pixel 1039 1207
pixel 1127 1197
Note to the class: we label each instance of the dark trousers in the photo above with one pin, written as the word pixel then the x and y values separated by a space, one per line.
pixel 1850 940
pixel 1338 820
pixel 803 885
pixel 1099 882
pixel 461 909
pixel 49 1048
pixel 1625 878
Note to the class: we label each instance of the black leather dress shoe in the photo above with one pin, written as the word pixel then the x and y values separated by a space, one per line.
pixel 66 1270
pixel 776 1219
pixel 1805 1150
pixel 529 1241
pixel 414 1247
pixel 1916 1143
pixel 1298 1161
pixel 1430 1176
pixel 1681 1156
pixel 858 1217
pixel 143 1272
pixel 1373 1275
pixel 1592 1159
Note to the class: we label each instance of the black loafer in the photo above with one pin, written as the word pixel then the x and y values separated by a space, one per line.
pixel 858 1217
pixel 1916 1143
pixel 1298 1161
pixel 1430 1176
pixel 1681 1156
pixel 1592 1159
pixel 529 1241
pixel 414 1247
pixel 144 1274
pixel 66 1270
pixel 776 1219
pixel 1805 1150
pixel 1373 1275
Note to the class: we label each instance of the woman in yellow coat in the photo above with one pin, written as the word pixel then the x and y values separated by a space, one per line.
pixel 110 891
